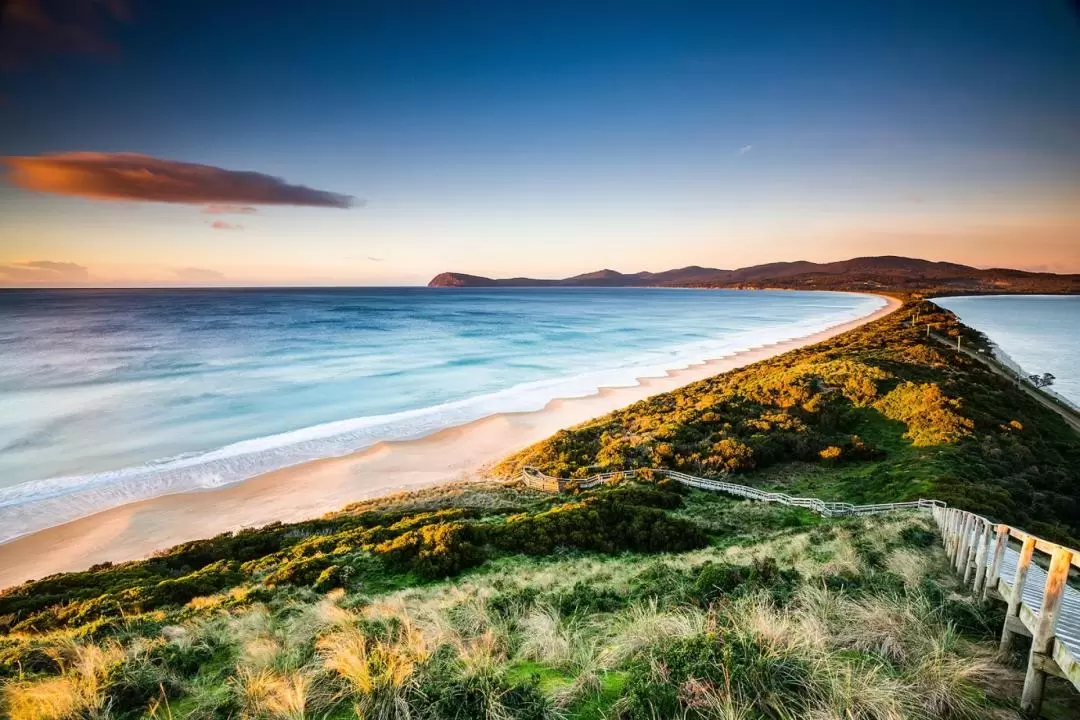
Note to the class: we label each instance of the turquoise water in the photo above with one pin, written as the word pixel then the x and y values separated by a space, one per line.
pixel 1040 333
pixel 108 397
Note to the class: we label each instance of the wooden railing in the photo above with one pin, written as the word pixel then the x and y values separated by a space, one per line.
pixel 996 560
pixel 534 478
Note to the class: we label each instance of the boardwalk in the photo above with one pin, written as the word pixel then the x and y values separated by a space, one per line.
pixel 994 559
pixel 1068 627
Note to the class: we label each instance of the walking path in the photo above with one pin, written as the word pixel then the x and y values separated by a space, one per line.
pixel 1068 414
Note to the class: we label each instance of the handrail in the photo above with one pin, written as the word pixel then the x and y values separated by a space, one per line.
pixel 979 551
pixel 533 477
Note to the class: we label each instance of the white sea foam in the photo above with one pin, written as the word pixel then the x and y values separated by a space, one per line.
pixel 35 505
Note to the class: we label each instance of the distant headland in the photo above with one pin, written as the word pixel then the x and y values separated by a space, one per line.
pixel 883 273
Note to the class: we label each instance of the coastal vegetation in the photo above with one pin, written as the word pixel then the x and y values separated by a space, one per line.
pixel 639 600
pixel 766 612
pixel 882 413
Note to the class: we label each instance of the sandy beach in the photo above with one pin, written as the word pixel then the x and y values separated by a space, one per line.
pixel 311 489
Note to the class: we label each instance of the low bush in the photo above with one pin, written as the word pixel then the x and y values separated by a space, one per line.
pixel 434 551
pixel 717 581
pixel 608 523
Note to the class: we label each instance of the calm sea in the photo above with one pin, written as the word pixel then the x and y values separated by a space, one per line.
pixel 107 397
pixel 1040 333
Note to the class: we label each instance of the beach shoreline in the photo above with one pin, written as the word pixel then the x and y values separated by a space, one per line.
pixel 311 489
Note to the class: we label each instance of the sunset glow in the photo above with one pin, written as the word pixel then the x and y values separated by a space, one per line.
pixel 361 144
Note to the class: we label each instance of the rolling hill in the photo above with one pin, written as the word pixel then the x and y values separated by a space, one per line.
pixel 864 273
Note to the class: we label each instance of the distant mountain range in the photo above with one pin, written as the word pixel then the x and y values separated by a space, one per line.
pixel 887 272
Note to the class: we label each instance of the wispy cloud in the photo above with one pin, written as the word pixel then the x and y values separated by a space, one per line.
pixel 43 272
pixel 222 225
pixel 128 176
pixel 198 275
pixel 745 149
pixel 224 209
pixel 372 258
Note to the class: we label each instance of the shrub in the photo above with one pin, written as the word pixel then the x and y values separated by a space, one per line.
pixel 831 453
pixel 607 522
pixel 485 696
pixel 931 417
pixel 586 598
pixel 730 662
pixel 917 537
pixel 719 580
pixel 434 551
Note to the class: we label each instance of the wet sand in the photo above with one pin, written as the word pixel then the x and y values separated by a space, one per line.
pixel 312 489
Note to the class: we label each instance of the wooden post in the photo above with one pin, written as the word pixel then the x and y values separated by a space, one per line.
pixel 954 536
pixel 973 549
pixel 965 541
pixel 1017 597
pixel 994 573
pixel 947 532
pixel 1042 639
pixel 980 559
pixel 961 551
pixel 950 518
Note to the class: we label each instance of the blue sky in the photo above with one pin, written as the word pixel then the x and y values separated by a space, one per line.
pixel 554 138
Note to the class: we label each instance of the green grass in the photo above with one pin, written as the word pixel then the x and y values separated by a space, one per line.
pixel 639 601
pixel 859 615
pixel 878 414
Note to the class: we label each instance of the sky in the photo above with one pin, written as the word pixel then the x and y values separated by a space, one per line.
pixel 154 142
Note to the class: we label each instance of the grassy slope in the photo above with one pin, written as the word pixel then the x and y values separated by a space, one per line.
pixel 636 601
pixel 878 414
pixel 780 615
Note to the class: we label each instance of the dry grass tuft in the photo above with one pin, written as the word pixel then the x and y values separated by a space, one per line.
pixel 638 629
pixel 78 692
pixel 266 693
pixel 909 565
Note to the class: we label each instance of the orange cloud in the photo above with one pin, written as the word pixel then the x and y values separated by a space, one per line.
pixel 129 176
pixel 43 272
pixel 223 209
pixel 222 225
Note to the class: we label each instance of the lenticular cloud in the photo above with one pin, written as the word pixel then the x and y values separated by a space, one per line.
pixel 129 176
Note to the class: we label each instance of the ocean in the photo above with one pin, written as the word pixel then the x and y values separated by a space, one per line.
pixel 109 397
pixel 1039 333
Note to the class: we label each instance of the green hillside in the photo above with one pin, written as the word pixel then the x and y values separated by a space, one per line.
pixel 882 413
pixel 642 600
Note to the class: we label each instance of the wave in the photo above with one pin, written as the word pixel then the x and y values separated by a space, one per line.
pixel 35 505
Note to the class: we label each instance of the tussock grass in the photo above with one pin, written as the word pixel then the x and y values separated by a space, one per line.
pixel 78 692
pixel 267 693
pixel 832 630
pixel 634 631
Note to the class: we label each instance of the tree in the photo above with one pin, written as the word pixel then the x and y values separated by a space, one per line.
pixel 1041 381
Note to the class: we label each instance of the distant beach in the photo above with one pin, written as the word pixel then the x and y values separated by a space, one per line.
pixel 310 489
